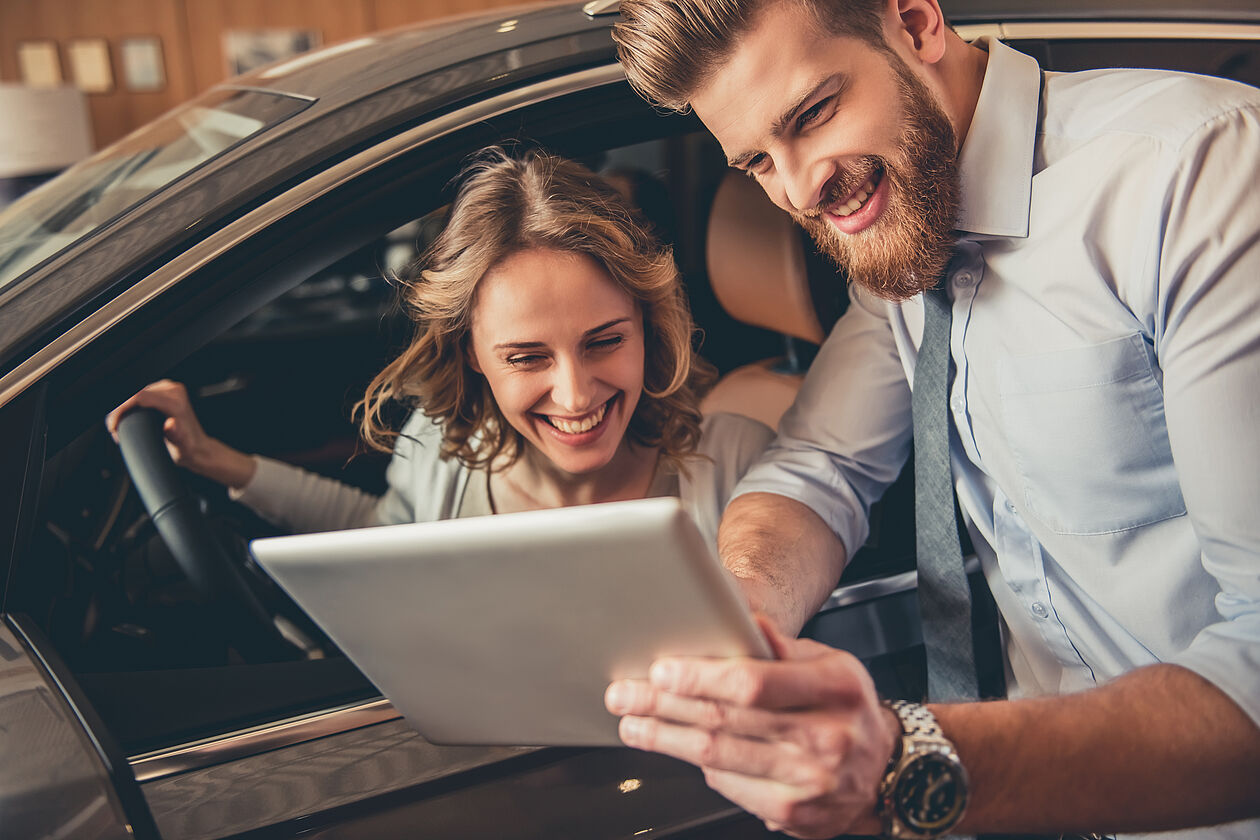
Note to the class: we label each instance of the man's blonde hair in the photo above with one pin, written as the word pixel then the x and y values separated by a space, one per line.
pixel 505 205
pixel 669 48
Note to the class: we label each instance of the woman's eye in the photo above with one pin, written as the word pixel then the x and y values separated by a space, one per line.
pixel 524 360
pixel 606 343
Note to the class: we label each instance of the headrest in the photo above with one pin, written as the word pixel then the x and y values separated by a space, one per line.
pixel 756 261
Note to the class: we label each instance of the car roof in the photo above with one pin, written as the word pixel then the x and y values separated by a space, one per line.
pixel 353 69
pixel 968 11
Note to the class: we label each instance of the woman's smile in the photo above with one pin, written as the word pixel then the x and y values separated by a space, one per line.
pixel 580 430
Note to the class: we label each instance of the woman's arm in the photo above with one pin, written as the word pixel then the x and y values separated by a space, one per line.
pixel 293 498
pixel 188 443
pixel 303 502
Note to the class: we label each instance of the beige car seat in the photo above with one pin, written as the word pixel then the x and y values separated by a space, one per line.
pixel 757 268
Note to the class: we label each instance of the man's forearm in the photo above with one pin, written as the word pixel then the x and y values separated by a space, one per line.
pixel 785 556
pixel 1159 748
pixel 802 742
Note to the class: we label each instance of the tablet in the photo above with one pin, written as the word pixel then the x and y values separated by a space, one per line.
pixel 507 629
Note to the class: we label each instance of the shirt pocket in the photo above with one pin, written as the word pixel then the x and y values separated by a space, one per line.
pixel 1086 428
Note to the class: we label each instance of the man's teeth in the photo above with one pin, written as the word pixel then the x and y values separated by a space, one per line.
pixel 855 203
pixel 576 427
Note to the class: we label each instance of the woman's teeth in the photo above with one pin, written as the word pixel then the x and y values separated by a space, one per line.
pixel 859 198
pixel 577 427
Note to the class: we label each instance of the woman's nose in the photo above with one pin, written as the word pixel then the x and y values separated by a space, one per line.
pixel 573 387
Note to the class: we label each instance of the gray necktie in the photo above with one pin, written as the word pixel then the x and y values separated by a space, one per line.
pixel 944 598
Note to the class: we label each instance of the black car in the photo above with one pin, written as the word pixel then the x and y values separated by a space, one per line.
pixel 243 244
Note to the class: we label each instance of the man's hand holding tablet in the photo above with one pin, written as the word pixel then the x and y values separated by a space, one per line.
pixel 767 733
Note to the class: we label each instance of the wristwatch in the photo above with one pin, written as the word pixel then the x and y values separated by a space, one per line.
pixel 924 790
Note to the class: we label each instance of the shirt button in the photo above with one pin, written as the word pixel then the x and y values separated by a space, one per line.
pixel 1039 609
pixel 957 405
pixel 964 278
pixel 1011 507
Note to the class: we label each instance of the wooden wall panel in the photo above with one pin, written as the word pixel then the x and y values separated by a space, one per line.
pixel 208 20
pixel 119 111
pixel 192 32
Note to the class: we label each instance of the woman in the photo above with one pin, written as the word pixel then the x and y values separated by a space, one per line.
pixel 552 365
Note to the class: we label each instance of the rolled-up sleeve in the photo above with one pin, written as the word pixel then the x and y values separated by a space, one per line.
pixel 304 502
pixel 848 433
pixel 1208 344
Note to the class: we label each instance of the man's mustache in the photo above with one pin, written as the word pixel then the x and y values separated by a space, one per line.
pixel 843 185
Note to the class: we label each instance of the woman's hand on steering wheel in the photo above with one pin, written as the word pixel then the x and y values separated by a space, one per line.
pixel 186 440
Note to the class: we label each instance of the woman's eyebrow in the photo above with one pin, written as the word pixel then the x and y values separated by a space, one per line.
pixel 533 345
pixel 614 322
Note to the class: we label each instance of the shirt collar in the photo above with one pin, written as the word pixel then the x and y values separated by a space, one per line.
pixel 996 162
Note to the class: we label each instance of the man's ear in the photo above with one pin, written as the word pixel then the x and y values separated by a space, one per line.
pixel 918 27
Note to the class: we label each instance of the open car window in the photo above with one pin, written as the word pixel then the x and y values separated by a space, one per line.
pixel 97 190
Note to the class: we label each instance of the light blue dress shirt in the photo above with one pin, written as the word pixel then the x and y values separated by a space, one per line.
pixel 1106 403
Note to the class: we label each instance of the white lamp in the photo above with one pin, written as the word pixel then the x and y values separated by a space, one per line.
pixel 42 130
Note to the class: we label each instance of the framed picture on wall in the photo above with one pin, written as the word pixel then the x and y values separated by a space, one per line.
pixel 89 65
pixel 39 64
pixel 143 68
pixel 246 49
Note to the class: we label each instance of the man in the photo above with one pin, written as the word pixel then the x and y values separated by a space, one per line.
pixel 1098 235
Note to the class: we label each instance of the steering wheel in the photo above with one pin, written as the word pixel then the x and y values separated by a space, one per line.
pixel 216 572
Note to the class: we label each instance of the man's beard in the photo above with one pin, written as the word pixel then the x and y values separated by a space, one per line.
pixel 906 249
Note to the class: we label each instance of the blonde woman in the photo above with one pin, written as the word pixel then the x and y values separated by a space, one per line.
pixel 551 365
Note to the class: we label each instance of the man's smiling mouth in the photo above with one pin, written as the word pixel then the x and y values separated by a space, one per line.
pixel 858 198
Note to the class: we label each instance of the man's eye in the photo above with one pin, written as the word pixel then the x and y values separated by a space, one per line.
pixel 811 114
pixel 754 165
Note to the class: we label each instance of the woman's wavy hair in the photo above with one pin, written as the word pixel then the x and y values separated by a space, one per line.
pixel 506 204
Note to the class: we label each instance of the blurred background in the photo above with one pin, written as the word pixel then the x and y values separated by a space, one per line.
pixel 76 75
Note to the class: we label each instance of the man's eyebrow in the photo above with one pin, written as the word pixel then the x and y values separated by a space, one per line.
pixel 789 115
pixel 534 345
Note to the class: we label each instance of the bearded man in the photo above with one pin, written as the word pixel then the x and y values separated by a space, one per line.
pixel 1094 242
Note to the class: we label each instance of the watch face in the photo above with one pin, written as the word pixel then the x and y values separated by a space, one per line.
pixel 931 793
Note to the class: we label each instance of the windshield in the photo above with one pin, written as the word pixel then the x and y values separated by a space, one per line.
pixel 91 193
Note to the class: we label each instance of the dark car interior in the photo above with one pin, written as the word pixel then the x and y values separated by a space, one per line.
pixel 276 340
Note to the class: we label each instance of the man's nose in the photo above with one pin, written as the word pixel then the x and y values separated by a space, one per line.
pixel 803 183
